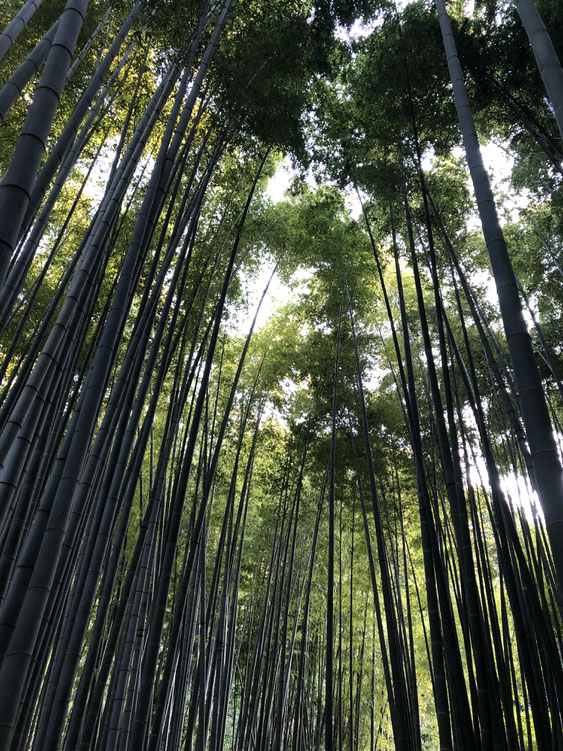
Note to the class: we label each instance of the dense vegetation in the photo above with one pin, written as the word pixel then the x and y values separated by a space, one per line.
pixel 339 525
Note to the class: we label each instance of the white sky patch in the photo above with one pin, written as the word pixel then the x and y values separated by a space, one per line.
pixel 358 30
pixel 427 160
pixel 253 287
pixel 470 8
pixel 278 294
pixel 352 203
pixel 280 181
pixel 96 184
pixel 374 377
pixel 499 163
pixel 514 486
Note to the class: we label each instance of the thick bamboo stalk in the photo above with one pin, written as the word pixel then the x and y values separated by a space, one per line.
pixel 545 54
pixel 18 23
pixel 16 184
pixel 548 471
pixel 12 89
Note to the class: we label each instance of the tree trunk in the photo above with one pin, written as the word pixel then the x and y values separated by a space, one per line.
pixel 533 404
pixel 16 185
pixel 545 54
pixel 17 25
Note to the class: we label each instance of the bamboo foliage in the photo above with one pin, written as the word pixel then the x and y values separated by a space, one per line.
pixel 316 531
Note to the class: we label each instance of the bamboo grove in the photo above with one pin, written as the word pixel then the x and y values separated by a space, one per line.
pixel 337 525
